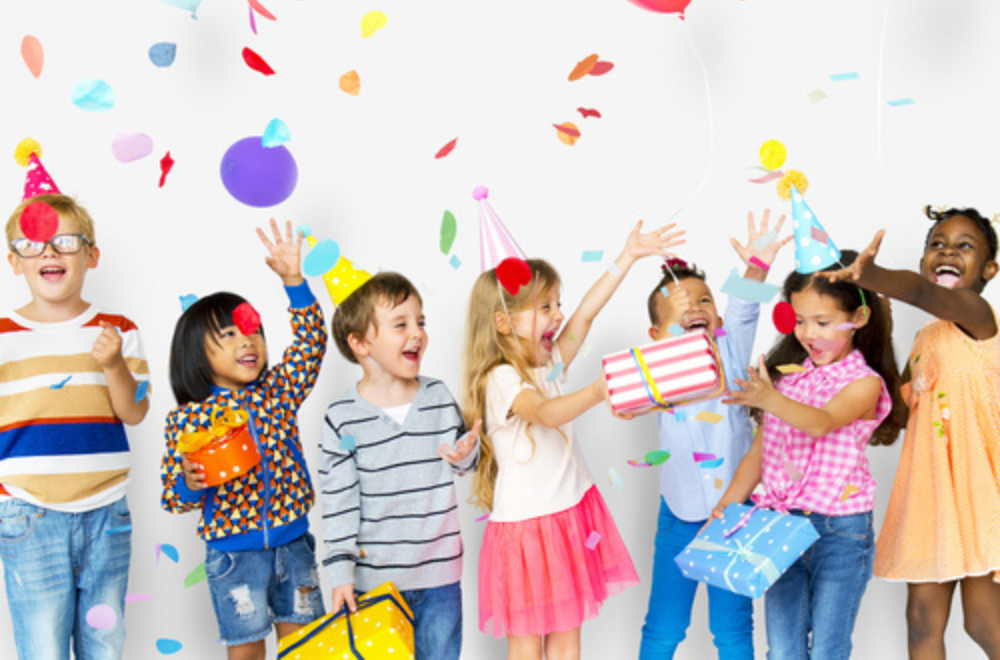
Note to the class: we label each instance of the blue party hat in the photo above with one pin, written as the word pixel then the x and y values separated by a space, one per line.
pixel 814 249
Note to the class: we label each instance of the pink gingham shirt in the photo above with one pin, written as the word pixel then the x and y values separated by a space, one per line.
pixel 835 479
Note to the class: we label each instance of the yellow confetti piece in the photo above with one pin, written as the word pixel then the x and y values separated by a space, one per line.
pixel 718 484
pixel 709 416
pixel 772 154
pixel 350 83
pixel 790 368
pixel 849 490
pixel 372 22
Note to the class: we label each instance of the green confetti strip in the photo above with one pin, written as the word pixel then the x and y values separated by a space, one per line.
pixel 449 228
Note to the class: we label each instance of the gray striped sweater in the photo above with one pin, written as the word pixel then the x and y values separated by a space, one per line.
pixel 390 511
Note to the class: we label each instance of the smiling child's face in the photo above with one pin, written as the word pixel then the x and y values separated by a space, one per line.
pixel 956 255
pixel 702 314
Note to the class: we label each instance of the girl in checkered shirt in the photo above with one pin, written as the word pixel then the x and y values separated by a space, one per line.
pixel 825 393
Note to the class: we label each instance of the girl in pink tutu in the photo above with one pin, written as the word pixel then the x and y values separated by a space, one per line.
pixel 551 554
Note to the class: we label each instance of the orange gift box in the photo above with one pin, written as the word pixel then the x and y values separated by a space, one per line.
pixel 226 450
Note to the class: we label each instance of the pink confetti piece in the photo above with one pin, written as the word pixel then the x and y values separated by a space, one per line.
pixel 819 235
pixel 592 540
pixel 483 517
pixel 719 332
pixel 824 344
pixel 701 456
pixel 101 617
pixel 135 598
pixel 770 176
pixel 754 261
pixel 847 326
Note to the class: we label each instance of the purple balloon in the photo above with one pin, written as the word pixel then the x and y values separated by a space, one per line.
pixel 257 175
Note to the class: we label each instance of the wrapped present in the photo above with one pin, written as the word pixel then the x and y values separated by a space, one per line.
pixel 747 550
pixel 666 373
pixel 226 450
pixel 380 629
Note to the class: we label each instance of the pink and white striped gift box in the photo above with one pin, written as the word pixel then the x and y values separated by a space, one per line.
pixel 671 371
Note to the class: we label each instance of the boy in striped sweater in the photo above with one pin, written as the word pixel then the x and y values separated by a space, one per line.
pixel 391 446
pixel 69 377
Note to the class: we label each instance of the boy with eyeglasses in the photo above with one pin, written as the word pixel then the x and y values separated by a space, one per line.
pixel 70 375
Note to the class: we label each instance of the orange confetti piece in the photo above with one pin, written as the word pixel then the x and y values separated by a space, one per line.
pixel 849 490
pixel 583 67
pixel 446 149
pixel 33 55
pixel 350 83
pixel 600 68
pixel 567 132
pixel 260 9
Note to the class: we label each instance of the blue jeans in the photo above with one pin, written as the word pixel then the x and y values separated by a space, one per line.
pixel 821 592
pixel 57 566
pixel 730 616
pixel 253 589
pixel 437 621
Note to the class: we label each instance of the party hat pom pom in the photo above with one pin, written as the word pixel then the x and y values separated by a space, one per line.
pixel 24 150
pixel 480 193
pixel 792 178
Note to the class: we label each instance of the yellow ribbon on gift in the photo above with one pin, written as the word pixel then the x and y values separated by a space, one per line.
pixel 224 420
pixel 654 392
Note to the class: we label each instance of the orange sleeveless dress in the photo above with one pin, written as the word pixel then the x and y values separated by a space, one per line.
pixel 943 518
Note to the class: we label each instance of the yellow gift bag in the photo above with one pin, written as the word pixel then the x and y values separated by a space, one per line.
pixel 381 629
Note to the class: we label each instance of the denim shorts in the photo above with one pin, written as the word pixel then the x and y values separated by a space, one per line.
pixel 254 589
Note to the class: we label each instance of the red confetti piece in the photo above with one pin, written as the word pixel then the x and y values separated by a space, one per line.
pixel 600 68
pixel 589 112
pixel 39 221
pixel 259 8
pixel 256 62
pixel 819 235
pixel 446 149
pixel 568 130
pixel 783 317
pixel 166 164
pixel 513 273
pixel 246 318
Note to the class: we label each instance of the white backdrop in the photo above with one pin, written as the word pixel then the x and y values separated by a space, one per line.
pixel 688 102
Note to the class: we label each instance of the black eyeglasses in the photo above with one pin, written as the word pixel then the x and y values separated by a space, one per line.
pixel 62 244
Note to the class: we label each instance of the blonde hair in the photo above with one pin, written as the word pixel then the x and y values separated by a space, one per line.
pixel 487 348
pixel 64 205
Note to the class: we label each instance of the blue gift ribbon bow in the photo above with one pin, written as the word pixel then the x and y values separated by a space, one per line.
pixel 761 561
pixel 362 605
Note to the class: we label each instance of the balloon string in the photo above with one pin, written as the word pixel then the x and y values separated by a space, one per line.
pixel 879 100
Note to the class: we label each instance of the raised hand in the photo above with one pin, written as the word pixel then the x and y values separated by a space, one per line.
pixel 659 241
pixel 755 391
pixel 285 253
pixel 767 254
pixel 856 270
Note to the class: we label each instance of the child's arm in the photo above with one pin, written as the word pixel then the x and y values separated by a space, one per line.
pixel 758 261
pixel 531 406
pixel 964 307
pixel 107 351
pixel 465 454
pixel 857 400
pixel 638 245
pixel 340 491
pixel 745 479
pixel 183 484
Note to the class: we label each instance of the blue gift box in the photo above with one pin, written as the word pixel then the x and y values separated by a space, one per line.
pixel 749 561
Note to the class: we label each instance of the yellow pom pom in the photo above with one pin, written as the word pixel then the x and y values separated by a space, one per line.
pixel 25 148
pixel 792 178
pixel 772 154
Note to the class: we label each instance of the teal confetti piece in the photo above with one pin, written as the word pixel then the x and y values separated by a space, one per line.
pixel 765 240
pixel 118 530
pixel 712 464
pixel 449 229
pixel 275 134
pixel 187 300
pixel 663 290
pixel 321 258
pixel 842 77
pixel 455 261
pixel 675 330
pixel 141 390
pixel 59 385
pixel 93 95
pixel 758 292
pixel 555 372
pixel 591 256
pixel 196 576
pixel 168 646
pixel 680 415
pixel 898 102
pixel 347 443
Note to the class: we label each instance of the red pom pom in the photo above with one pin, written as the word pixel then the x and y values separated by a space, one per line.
pixel 246 318
pixel 39 221
pixel 513 273
pixel 784 318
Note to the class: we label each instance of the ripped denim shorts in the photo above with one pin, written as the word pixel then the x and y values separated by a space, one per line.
pixel 254 589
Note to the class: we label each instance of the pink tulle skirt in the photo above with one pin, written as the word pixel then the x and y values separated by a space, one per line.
pixel 539 576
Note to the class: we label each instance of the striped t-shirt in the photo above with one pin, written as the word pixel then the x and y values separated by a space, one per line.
pixel 390 511
pixel 61 445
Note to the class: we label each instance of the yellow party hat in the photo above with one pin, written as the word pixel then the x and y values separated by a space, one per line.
pixel 343 278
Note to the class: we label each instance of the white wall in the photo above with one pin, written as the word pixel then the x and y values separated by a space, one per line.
pixel 494 74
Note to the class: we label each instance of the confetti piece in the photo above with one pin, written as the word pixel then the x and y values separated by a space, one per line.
pixel 350 83
pixel 816 95
pixel 276 133
pixel 719 332
pixel 555 372
pixel 842 77
pixel 187 300
pixel 600 68
pixel 446 149
pixel 700 456
pixel 455 261
pixel 449 228
pixel 163 54
pixel 513 273
pixel 847 325
pixel 93 95
pixel 760 292
pixel 664 292
pixel 190 5
pixel 680 415
pixel 825 344
pixel 127 147
pixel 136 598
pixel 616 481
pixel 656 456
pixel 635 463
pixel 772 154
pixel 770 176
pixel 849 490
pixel 709 417
pixel 118 530
pixel 483 517
pixel 754 261
pixel 195 576
pixel 321 258
pixel 593 540
pixel 372 22
pixel 347 442
pixel 614 270
pixel 711 465
pixel 718 484
pixel 257 63
pixel 819 235
pixel 141 390
pixel 101 617
pixel 260 9
pixel 246 318
pixel 790 368
pixel 675 330
pixel 783 317
pixel 168 646
pixel 792 470
pixel 583 67
pixel 59 385
pixel 166 164
pixel 32 54
pixel 590 256
pixel 567 132
pixel 589 112
pixel 169 550
pixel 765 240
pixel 898 102
pixel 253 21
pixel 39 221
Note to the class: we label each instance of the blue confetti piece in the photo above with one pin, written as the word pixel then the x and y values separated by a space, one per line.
pixel 591 256
pixel 841 77
pixel 141 390
pixel 187 300
pixel 455 261
pixel 616 481
pixel 712 464
pixel 170 551
pixel 168 646
pixel 347 443
pixel 758 292
pixel 680 415
pixel 163 53
pixel 275 134
pixel 118 530
pixel 93 95
pixel 557 369
pixel 322 258
pixel 59 385
pixel 675 330
pixel 898 102
pixel 663 290
pixel 765 240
